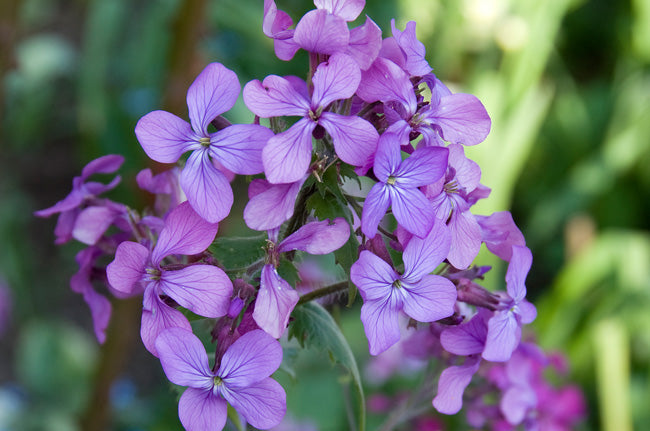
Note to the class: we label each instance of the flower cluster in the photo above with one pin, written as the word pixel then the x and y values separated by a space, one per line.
pixel 370 166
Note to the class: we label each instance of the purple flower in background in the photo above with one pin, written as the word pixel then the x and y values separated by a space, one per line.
pixel 81 214
pixel 504 328
pixel 242 380
pixel 276 299
pixel 385 293
pixel 287 155
pixel 399 183
pixel 165 137
pixel 202 289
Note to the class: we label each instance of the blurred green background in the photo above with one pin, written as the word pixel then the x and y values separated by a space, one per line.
pixel 566 82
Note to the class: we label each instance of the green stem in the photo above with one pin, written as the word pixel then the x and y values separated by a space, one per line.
pixel 324 291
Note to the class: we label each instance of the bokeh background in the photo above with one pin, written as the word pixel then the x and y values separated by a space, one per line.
pixel 566 82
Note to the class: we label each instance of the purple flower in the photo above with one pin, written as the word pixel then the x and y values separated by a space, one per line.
pixel 385 293
pixel 242 379
pixel 203 289
pixel 165 137
pixel 81 214
pixel 504 328
pixel 398 186
pixel 276 299
pixel 287 155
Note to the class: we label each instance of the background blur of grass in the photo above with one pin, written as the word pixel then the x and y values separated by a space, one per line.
pixel 566 82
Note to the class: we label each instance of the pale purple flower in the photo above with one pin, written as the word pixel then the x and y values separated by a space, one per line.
pixel 276 299
pixel 422 296
pixel 202 289
pixel 399 183
pixel 504 328
pixel 165 137
pixel 287 155
pixel 242 379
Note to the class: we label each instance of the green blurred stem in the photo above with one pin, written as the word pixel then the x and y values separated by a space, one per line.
pixel 319 293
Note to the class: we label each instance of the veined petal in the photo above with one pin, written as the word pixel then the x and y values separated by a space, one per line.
pixel 263 404
pixel 388 157
pixel 201 410
pixel 380 322
pixel 518 269
pixel 465 339
pixel 185 232
pixel 211 94
pixel 102 165
pixel 164 136
pixel 273 206
pixel 355 139
pixel 452 384
pixel 274 303
pixel 502 337
pixel 425 166
pixel 128 267
pixel 461 118
pixel 183 358
pixel 239 147
pixel 365 43
pixel 321 32
pixel 156 317
pixel 250 359
pixel 202 289
pixel 385 81
pixel 422 255
pixel 349 10
pixel 412 210
pixel 207 189
pixel 275 96
pixel 430 299
pixel 287 155
pixel 465 239
pixel 320 237
pixel 374 208
pixel 373 276
pixel 336 79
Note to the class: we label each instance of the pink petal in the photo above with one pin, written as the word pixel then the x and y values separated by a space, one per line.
pixel 318 237
pixel 321 32
pixel 274 303
pixel 250 359
pixel 164 136
pixel 355 139
pixel 336 79
pixel 262 404
pixel 201 410
pixel 202 289
pixel 211 94
pixel 287 155
pixel 239 147
pixel 275 96
pixel 128 267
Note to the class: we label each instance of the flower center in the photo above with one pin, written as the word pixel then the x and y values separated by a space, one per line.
pixel 205 142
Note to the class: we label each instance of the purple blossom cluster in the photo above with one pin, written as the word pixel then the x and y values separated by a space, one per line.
pixel 370 112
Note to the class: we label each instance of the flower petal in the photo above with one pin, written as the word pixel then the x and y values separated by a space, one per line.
pixel 207 189
pixel 201 410
pixel 239 147
pixel 321 32
pixel 275 96
pixel 262 404
pixel 355 139
pixel 164 136
pixel 202 289
pixel 250 359
pixel 183 358
pixel 336 79
pixel 274 303
pixel 287 155
pixel 212 93
pixel 321 237
pixel 374 208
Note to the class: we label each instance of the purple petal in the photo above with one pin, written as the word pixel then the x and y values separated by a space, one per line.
pixel 412 210
pixel 128 267
pixel 252 358
pixel 102 165
pixel 349 10
pixel 452 384
pixel 388 157
pixel 274 303
pixel 373 276
pixel 207 189
pixel 91 223
pixel 156 317
pixel 432 298
pixel 412 48
pixel 164 136
pixel 239 147
pixel 201 410
pixel 273 206
pixel 203 289
pixel 500 233
pixel 321 237
pixel 275 96
pixel 183 358
pixel 422 255
pixel 462 119
pixel 518 269
pixel 336 79
pixel 502 337
pixel 385 81
pixel 262 404
pixel 365 43
pixel 465 239
pixel 185 232
pixel 321 32
pixel 465 339
pixel 425 166
pixel 380 321
pixel 374 208
pixel 355 139
pixel 211 94
pixel 287 155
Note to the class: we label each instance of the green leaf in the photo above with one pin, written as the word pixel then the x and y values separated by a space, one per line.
pixel 314 327
pixel 238 253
